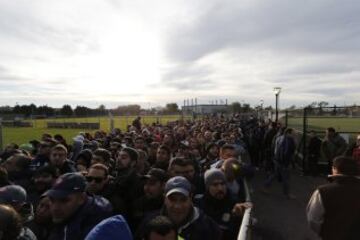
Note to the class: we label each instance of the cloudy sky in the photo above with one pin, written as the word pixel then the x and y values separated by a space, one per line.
pixel 113 52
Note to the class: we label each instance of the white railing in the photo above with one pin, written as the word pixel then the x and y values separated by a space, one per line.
pixel 244 232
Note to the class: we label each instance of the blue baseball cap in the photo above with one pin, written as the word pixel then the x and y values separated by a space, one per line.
pixel 67 184
pixel 178 185
pixel 12 194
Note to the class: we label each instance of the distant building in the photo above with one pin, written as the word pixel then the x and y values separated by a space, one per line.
pixel 205 109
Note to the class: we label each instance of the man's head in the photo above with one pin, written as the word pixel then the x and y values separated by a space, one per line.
pixel 127 158
pixel 160 228
pixel 208 136
pixel 346 166
pixel 163 154
pixel 212 151
pixel 44 178
pixel 44 148
pixel 330 132
pixel 215 183
pixel 182 167
pixel 139 143
pixel 102 156
pixel 16 163
pixel 58 155
pixel 97 178
pixel 10 223
pixel 178 201
pixel 13 195
pixel 227 151
pixel 66 196
pixel 155 181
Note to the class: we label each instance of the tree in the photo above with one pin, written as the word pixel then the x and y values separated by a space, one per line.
pixel 66 110
pixel 235 107
pixel 172 108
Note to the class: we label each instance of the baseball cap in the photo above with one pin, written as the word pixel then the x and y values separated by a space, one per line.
pixel 12 194
pixel 156 173
pixel 178 185
pixel 67 184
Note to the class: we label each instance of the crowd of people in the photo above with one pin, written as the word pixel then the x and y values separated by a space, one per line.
pixel 182 180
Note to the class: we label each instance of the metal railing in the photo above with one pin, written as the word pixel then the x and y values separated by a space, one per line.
pixel 245 228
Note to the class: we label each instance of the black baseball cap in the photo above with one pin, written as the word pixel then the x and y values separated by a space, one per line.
pixel 157 174
pixel 67 184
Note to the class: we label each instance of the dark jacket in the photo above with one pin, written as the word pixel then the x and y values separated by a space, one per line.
pixel 85 218
pixel 285 150
pixel 341 200
pixel 112 228
pixel 142 207
pixel 67 167
pixel 198 226
pixel 221 212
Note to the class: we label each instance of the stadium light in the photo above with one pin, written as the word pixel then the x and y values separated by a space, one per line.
pixel 277 91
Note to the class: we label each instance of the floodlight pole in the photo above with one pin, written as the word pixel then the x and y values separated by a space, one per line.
pixel 277 91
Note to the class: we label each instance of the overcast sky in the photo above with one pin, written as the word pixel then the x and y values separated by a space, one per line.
pixel 113 52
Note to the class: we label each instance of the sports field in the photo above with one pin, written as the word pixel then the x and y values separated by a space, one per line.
pixel 340 124
pixel 25 134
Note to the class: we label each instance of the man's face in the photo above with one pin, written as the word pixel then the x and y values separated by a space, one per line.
pixel 153 188
pixel 57 157
pixel 178 207
pixel 227 153
pixel 162 155
pixel 214 151
pixel 42 213
pixel 96 180
pixel 123 160
pixel 139 144
pixel 169 236
pixel 217 189
pixel 62 209
pixel 208 136
pixel 187 171
pixel 44 150
pixel 43 181
pixel 329 134
pixel 97 159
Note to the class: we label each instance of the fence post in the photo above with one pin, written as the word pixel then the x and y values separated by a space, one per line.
pixel 286 118
pixel 304 152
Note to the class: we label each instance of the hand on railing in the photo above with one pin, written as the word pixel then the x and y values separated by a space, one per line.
pixel 239 208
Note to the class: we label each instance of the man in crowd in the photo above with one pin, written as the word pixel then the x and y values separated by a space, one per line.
pixel 190 222
pixel 160 227
pixel 332 146
pixel 218 203
pixel 313 153
pixel 99 182
pixel 73 212
pixel 16 196
pixel 163 156
pixel 58 159
pixel 333 211
pixel 185 167
pixel 153 198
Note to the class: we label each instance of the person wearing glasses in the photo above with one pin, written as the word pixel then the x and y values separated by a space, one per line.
pixel 99 182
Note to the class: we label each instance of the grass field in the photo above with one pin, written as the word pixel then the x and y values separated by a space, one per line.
pixel 24 135
pixel 320 124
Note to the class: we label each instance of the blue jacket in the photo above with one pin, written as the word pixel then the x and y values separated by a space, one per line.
pixel 94 210
pixel 112 228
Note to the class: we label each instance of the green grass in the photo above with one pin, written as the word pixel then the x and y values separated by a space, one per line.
pixel 320 124
pixel 24 135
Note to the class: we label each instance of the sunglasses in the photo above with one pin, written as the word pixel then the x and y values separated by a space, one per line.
pixel 96 179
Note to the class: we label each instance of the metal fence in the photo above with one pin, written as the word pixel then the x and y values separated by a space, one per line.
pixel 345 120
